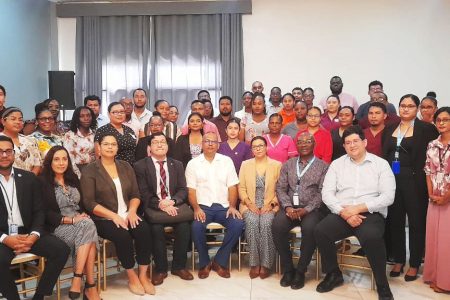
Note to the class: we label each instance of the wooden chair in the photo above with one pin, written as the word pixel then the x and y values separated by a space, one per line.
pixel 104 264
pixel 28 270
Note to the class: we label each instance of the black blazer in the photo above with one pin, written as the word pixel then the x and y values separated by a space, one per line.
pixel 29 198
pixel 141 148
pixel 183 150
pixel 53 214
pixel 146 177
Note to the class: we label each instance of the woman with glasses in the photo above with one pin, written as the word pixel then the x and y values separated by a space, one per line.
pixel 60 127
pixel 428 107
pixel 189 146
pixel 79 140
pixel 308 97
pixel 346 115
pixel 324 145
pixel 279 146
pixel 256 123
pixel 233 148
pixel 257 180
pixel 111 196
pixel 126 138
pixel 27 155
pixel 404 147
pixel 45 125
pixel 437 170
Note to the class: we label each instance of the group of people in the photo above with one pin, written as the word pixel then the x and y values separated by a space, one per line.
pixel 336 169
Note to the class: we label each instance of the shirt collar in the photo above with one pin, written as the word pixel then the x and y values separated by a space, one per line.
pixel 369 157
pixel 155 161
pixel 81 135
pixel 11 175
pixel 216 157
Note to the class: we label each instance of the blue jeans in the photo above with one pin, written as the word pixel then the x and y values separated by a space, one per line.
pixel 234 227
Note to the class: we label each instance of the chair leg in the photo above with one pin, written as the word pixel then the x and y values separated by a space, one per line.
pixel 104 265
pixel 193 257
pixel 372 281
pixel 317 264
pixel 98 271
pixel 239 254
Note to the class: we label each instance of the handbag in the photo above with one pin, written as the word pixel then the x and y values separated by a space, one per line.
pixel 156 216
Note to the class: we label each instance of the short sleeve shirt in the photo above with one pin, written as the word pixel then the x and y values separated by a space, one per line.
pixel 27 154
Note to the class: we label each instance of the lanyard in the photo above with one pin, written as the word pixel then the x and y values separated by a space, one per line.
pixel 300 175
pixel 10 203
pixel 400 137
pixel 441 157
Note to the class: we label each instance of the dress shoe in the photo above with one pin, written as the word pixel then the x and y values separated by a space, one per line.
pixel 149 288
pixel 384 293
pixel 204 272
pixel 287 278
pixel 254 272
pixel 264 273
pixel 136 289
pixel 158 278
pixel 183 274
pixel 332 280
pixel 410 277
pixel 299 281
pixel 396 273
pixel 223 272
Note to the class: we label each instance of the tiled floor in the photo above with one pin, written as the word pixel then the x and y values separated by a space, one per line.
pixel 240 287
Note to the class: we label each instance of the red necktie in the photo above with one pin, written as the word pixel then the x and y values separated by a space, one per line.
pixel 162 183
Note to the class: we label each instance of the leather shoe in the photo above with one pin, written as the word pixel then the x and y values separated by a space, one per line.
pixel 299 281
pixel 287 278
pixel 204 272
pixel 254 272
pixel 183 274
pixel 158 278
pixel 396 273
pixel 384 293
pixel 332 280
pixel 223 272
pixel 136 289
pixel 264 273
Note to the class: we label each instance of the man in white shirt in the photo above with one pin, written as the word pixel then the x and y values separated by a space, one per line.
pixel 140 112
pixel 358 188
pixel 129 121
pixel 212 191
pixel 346 99
pixel 22 219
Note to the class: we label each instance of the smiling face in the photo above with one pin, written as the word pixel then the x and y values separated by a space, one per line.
pixel 13 122
pixel 117 114
pixel 210 144
pixel 164 109
pixel 53 107
pixel 305 144
pixel 259 148
pixel 159 147
pixel 60 162
pixel 232 130
pixel 109 147
pixel 173 114
pixel 443 122
pixel 46 122
pixel 156 124
pixel 195 123
pixel 427 110
pixel 354 146
pixel 313 117
pixel 6 155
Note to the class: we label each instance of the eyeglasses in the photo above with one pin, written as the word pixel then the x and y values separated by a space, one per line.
pixel 45 120
pixel 157 143
pixel 7 152
pixel 354 142
pixel 258 147
pixel 120 112
pixel 109 144
pixel 305 142
pixel 445 121
pixel 404 106
pixel 209 142
pixel 313 116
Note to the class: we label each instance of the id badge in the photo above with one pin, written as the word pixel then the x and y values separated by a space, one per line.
pixel 396 167
pixel 13 229
pixel 295 200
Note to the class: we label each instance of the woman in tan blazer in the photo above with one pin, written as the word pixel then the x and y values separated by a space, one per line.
pixel 257 180
pixel 111 195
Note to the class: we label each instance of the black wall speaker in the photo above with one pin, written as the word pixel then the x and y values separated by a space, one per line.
pixel 61 87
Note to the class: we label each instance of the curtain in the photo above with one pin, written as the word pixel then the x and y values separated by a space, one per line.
pixel 172 57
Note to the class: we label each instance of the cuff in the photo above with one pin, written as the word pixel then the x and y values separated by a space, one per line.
pixel 4 236
pixel 36 233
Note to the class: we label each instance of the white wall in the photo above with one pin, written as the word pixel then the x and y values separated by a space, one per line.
pixel 403 43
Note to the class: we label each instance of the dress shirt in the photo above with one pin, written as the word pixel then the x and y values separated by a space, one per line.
pixel 143 118
pixel 158 178
pixel 370 182
pixel 211 180
pixel 102 120
pixel 11 194
pixel 133 124
pixel 271 109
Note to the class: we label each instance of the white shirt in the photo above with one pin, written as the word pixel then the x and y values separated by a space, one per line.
pixel 143 118
pixel 241 113
pixel 121 205
pixel 133 124
pixel 158 178
pixel 370 182
pixel 102 120
pixel 211 180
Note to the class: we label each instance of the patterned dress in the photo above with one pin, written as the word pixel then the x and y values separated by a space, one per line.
pixel 81 148
pixel 126 141
pixel 252 128
pixel 27 153
pixel 82 232
pixel 258 230
pixel 46 142
pixel 437 167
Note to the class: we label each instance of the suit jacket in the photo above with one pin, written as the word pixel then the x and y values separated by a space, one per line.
pixel 53 214
pixel 247 184
pixel 141 148
pixel 182 150
pixel 98 188
pixel 146 177
pixel 29 198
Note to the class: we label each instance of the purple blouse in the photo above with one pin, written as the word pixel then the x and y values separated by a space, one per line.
pixel 240 153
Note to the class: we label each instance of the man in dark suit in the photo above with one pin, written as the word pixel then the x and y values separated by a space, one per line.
pixel 163 188
pixel 21 226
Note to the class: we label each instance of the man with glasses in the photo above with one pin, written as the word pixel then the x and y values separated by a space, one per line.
pixel 299 193
pixel 358 188
pixel 162 186
pixel 22 219
pixel 212 185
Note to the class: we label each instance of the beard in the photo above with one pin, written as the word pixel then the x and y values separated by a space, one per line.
pixel 226 114
pixel 6 168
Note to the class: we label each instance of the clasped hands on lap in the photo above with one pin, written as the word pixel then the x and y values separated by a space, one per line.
pixel 168 206
pixel 131 220
pixel 200 216
pixel 20 243
pixel 352 214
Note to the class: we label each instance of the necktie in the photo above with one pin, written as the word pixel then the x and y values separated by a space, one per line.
pixel 162 183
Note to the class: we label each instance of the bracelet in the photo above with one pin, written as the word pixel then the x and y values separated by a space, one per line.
pixel 62 221
pixel 72 221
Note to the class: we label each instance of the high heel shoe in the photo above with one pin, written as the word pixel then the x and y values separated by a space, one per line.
pixel 411 277
pixel 75 295
pixel 88 286
pixel 396 273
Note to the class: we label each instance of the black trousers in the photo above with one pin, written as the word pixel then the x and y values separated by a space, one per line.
pixel 370 234
pixel 409 200
pixel 180 247
pixel 123 241
pixel 281 226
pixel 49 246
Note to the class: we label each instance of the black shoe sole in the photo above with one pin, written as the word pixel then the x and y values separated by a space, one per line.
pixel 329 290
